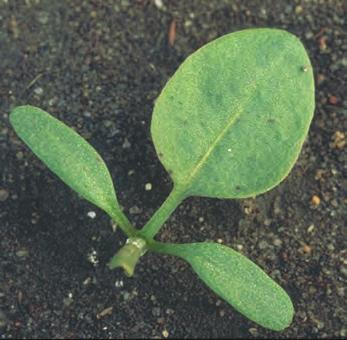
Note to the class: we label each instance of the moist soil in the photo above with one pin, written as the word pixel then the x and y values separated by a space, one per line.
pixel 99 66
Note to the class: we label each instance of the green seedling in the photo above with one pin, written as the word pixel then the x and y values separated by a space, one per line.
pixel 230 123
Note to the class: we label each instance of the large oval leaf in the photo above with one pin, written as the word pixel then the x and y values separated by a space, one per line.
pixel 69 156
pixel 231 121
pixel 238 281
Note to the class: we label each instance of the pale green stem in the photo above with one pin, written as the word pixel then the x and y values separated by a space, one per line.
pixel 173 249
pixel 123 223
pixel 138 242
pixel 152 227
pixel 128 256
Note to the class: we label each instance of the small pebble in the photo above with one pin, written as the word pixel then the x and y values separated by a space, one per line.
pixel 322 43
pixel 67 301
pixel 338 140
pixel 253 331
pixel 93 258
pixel 148 186
pixel 307 249
pixel 165 333
pixel 239 246
pixel 248 210
pixel 106 311
pixel 87 281
pixel 170 311
pixel 91 214
pixel 310 228
pixel 51 102
pixel 38 91
pixel 126 144
pixel 135 210
pixel 331 247
pixel 298 9
pixel 22 253
pixel 309 35
pixel 159 4
pixel 3 195
pixel 277 242
pixel 333 100
pixel 315 200
pixel 119 284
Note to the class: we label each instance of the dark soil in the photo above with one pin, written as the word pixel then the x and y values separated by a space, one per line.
pixel 99 65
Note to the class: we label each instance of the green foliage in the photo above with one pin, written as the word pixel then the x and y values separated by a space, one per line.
pixel 238 281
pixel 229 124
pixel 69 156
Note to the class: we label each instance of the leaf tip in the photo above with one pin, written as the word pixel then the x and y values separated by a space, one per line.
pixel 285 318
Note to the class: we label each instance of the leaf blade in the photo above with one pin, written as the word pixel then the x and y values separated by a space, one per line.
pixel 238 281
pixel 69 156
pixel 231 121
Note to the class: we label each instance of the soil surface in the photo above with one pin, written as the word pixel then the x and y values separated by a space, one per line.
pixel 98 66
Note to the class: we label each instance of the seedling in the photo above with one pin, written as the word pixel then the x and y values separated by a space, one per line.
pixel 230 123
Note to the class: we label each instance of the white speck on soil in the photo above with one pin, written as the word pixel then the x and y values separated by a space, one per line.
pixel 91 214
pixel 310 228
pixel 87 281
pixel 3 195
pixel 68 300
pixel 148 186
pixel 126 144
pixel 239 246
pixel 159 4
pixel 119 284
pixel 38 91
pixel 93 257
pixel 113 226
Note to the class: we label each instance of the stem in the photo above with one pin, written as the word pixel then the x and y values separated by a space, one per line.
pixel 152 227
pixel 128 256
pixel 174 249
pixel 123 222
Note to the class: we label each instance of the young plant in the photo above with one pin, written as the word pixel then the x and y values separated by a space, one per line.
pixel 230 123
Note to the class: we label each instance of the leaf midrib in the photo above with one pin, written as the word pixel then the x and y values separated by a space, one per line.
pixel 186 182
